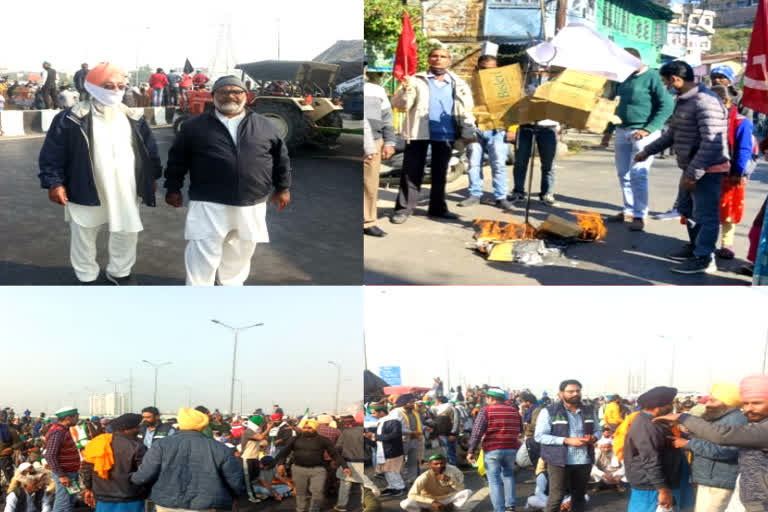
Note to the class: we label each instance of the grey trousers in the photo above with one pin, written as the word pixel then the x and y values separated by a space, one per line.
pixel 411 467
pixel 309 481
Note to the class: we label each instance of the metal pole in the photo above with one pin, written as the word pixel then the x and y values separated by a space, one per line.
pixel 154 395
pixel 241 397
pixel 278 38
pixel 338 381
pixel 130 389
pixel 232 388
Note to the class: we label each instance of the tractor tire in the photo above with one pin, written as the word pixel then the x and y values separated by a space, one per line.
pixel 331 120
pixel 180 119
pixel 287 119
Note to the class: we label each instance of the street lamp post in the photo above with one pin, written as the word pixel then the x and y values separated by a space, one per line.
pixel 338 380
pixel 240 381
pixel 156 366
pixel 236 331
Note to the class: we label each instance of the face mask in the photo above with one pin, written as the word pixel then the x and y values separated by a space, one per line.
pixel 104 96
pixel 673 91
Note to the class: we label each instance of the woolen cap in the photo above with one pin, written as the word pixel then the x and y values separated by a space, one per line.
pixel 228 80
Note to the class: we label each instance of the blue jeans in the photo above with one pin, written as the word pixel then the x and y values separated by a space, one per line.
pixel 701 208
pixel 546 141
pixel 450 448
pixel 500 469
pixel 157 97
pixel 64 502
pixel 633 176
pixel 492 142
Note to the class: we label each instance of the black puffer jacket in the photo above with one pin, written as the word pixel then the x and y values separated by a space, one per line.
pixel 118 488
pixel 221 171
pixel 650 459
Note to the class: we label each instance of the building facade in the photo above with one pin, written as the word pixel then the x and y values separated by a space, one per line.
pixel 108 404
pixel 732 13
pixel 689 34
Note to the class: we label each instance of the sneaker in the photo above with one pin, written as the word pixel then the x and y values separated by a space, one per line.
pixel 669 214
pixel 683 254
pixel 470 201
pixel 638 224
pixel 388 492
pixel 516 197
pixel 503 204
pixel 398 493
pixel 549 199
pixel 128 280
pixel 697 265
pixel 747 269
pixel 725 253
pixel 619 217
pixel 510 508
pixel 398 218
pixel 338 508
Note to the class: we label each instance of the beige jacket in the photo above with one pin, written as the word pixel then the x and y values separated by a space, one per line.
pixel 415 101
pixel 427 488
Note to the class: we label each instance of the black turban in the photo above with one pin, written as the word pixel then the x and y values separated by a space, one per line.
pixel 657 397
pixel 125 422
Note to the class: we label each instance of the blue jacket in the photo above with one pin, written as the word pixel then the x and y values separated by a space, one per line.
pixel 714 465
pixel 65 158
pixel 742 154
pixel 190 471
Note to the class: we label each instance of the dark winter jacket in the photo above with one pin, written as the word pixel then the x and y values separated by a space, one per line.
pixel 118 488
pixel 714 465
pixel 221 171
pixel 65 158
pixel 753 455
pixel 698 133
pixel 79 79
pixel 350 444
pixel 650 458
pixel 391 438
pixel 188 470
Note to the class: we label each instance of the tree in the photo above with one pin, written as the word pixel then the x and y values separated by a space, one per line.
pixel 383 22
pixel 728 40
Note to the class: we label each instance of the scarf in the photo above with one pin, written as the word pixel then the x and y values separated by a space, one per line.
pixel 417 426
pixel 103 96
pixel 99 453
pixel 621 434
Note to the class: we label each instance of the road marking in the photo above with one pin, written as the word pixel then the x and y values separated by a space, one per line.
pixel 476 499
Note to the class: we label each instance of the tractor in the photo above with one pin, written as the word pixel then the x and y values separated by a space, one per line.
pixel 294 95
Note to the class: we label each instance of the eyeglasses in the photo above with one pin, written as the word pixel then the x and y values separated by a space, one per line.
pixel 230 92
pixel 113 87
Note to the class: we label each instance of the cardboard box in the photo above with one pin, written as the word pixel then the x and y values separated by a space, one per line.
pixel 496 91
pixel 572 99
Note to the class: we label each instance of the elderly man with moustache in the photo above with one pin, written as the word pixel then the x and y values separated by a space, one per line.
pixel 99 159
pixel 751 439
pixel 236 163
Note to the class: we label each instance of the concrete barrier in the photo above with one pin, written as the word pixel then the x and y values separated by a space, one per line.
pixel 12 123
pixel 46 117
pixel 32 121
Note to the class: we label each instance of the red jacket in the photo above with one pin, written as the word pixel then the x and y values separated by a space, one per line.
pixel 186 81
pixel 199 79
pixel 158 81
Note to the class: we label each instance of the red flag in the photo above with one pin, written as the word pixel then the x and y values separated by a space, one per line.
pixel 756 73
pixel 406 58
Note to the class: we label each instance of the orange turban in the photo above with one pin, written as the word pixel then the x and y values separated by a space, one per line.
pixel 105 72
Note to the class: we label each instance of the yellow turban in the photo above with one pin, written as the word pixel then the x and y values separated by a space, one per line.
pixel 311 423
pixel 727 393
pixel 191 419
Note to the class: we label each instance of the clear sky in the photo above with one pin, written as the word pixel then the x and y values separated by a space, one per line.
pixel 163 34
pixel 535 337
pixel 56 342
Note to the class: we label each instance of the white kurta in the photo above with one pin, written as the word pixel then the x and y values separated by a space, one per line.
pixel 208 220
pixel 114 176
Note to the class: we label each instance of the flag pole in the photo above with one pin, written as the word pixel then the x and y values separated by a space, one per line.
pixel 407 118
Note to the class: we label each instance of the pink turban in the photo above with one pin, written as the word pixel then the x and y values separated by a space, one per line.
pixel 105 72
pixel 754 387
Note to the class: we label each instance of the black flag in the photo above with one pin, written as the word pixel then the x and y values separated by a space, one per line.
pixel 188 67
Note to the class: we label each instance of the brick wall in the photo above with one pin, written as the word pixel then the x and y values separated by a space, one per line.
pixel 454 20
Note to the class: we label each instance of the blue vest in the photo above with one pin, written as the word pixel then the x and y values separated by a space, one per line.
pixel 441 125
pixel 557 455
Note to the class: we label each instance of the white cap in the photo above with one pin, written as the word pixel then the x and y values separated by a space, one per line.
pixel 24 466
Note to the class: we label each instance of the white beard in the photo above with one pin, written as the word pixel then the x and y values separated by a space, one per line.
pixel 230 107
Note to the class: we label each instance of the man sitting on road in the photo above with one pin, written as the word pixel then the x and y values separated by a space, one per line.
pixel 441 488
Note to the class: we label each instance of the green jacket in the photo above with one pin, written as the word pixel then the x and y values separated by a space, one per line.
pixel 645 103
